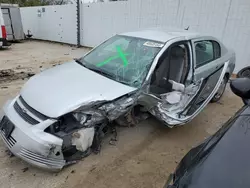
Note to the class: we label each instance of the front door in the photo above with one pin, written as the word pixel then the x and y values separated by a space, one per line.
pixel 174 65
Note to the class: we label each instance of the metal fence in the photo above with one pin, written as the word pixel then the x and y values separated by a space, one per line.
pixel 224 19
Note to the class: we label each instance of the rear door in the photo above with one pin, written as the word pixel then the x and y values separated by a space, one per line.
pixel 207 57
pixel 208 87
pixel 209 72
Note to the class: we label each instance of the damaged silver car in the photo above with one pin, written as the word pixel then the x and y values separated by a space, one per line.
pixel 62 114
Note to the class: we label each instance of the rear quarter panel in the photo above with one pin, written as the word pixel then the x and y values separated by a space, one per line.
pixel 228 55
pixel 232 61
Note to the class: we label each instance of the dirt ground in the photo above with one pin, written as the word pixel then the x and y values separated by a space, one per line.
pixel 144 155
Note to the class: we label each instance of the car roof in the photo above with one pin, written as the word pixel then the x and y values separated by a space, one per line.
pixel 163 34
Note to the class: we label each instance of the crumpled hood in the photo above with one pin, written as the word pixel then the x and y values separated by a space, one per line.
pixel 64 88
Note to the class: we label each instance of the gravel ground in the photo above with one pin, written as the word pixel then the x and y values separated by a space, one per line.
pixel 143 156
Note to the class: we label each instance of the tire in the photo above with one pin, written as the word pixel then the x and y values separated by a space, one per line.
pixel 244 73
pixel 221 90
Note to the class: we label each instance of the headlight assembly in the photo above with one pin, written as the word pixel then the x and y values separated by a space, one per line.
pixel 80 117
pixel 89 117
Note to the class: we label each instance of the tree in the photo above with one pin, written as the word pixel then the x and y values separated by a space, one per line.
pixel 27 3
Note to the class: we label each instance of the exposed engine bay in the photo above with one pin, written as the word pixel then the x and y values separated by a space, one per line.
pixel 82 131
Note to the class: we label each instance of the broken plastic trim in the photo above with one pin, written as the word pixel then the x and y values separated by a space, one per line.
pixel 161 107
pixel 115 109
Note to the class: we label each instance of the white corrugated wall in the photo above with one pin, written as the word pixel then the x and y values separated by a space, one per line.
pixel 227 20
pixel 54 23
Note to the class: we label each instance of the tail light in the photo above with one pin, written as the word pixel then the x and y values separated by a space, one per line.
pixel 4 33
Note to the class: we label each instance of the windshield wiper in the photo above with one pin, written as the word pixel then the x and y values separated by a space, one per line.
pixel 123 82
pixel 79 62
pixel 99 71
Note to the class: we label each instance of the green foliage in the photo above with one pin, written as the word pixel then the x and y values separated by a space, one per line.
pixel 25 3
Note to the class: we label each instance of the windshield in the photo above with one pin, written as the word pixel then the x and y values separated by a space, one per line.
pixel 123 59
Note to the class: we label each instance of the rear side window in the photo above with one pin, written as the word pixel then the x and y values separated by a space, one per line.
pixel 206 51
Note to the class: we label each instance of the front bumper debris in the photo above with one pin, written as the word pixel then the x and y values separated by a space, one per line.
pixel 23 141
pixel 33 158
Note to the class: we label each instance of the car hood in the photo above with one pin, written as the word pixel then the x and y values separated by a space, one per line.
pixel 64 88
pixel 227 164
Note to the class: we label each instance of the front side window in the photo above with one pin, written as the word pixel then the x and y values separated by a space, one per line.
pixel 123 59
pixel 173 65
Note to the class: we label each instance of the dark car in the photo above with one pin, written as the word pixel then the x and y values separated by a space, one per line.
pixel 222 160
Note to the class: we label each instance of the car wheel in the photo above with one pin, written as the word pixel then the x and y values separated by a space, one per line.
pixel 244 73
pixel 221 90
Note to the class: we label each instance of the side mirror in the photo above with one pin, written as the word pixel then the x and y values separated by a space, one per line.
pixel 241 87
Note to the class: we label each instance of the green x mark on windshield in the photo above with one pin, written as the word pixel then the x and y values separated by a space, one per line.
pixel 120 55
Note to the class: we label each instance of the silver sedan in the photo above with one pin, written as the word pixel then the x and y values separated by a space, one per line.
pixel 62 114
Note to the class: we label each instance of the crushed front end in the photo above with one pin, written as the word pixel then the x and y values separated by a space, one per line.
pixel 22 132
pixel 54 143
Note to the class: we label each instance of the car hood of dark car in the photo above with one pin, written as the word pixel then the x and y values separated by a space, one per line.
pixel 64 88
pixel 227 165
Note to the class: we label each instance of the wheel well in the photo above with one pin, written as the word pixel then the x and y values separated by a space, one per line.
pixel 227 75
